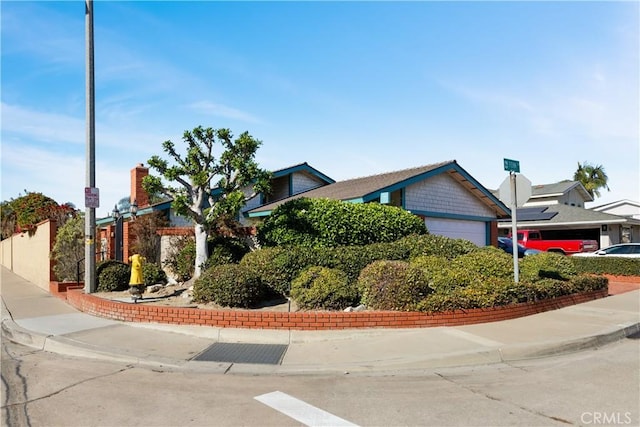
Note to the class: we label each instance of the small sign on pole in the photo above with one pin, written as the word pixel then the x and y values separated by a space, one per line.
pixel 91 197
pixel 511 165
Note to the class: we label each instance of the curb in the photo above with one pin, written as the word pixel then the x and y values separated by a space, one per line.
pixel 66 346
pixel 555 348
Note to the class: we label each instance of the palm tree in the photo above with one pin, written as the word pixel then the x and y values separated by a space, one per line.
pixel 593 177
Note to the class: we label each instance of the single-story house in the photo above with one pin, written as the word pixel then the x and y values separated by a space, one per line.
pixel 450 200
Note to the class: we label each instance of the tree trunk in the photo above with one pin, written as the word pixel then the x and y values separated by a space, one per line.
pixel 201 249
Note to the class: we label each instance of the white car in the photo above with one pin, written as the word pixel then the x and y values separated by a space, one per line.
pixel 626 250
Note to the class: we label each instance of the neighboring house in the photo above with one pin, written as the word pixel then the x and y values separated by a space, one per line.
pixel 570 193
pixel 626 208
pixel 450 200
pixel 558 211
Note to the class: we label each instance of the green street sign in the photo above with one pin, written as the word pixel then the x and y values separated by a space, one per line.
pixel 511 165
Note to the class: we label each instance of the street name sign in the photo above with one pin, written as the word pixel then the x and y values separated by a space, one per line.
pixel 511 165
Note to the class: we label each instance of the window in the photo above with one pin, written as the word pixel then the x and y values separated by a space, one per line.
pixel 619 250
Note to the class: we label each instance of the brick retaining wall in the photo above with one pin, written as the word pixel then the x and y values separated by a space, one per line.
pixel 313 320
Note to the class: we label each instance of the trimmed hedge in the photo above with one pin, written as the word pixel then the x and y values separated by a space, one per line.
pixel 492 292
pixel 278 266
pixel 229 285
pixel 487 262
pixel 323 288
pixel 604 265
pixel 431 244
pixel 417 272
pixel 331 223
pixel 112 276
pixel 547 265
pixel 392 285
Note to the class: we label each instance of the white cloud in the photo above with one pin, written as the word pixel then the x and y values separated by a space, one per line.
pixel 61 177
pixel 219 110
pixel 45 127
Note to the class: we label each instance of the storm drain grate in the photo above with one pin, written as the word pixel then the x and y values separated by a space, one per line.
pixel 269 354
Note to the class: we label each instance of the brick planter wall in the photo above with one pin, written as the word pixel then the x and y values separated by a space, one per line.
pixel 59 289
pixel 315 320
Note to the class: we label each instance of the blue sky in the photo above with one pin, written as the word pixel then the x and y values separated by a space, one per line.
pixel 352 88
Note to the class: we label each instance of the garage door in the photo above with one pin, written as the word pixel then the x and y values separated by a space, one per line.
pixel 475 231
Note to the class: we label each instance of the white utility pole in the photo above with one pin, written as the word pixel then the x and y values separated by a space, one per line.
pixel 90 212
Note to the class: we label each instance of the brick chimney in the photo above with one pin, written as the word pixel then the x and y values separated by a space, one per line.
pixel 137 192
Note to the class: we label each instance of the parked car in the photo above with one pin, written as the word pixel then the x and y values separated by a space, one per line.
pixel 626 250
pixel 506 244
pixel 533 239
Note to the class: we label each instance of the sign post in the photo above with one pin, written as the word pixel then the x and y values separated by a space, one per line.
pixel 513 166
pixel 514 226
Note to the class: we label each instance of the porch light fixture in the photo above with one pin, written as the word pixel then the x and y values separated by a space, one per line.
pixel 134 209
pixel 118 232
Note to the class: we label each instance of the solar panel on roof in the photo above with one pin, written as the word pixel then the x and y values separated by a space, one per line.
pixel 534 214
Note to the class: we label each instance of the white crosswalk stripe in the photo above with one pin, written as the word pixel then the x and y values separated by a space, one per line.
pixel 301 411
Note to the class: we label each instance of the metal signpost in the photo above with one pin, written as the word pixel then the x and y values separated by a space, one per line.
pixel 509 194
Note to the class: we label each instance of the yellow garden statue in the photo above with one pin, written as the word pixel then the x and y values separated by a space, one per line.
pixel 136 283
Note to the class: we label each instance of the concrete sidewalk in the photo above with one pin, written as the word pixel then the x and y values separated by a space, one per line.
pixel 33 317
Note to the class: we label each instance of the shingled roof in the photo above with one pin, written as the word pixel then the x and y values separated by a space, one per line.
pixel 558 189
pixel 368 188
pixel 564 215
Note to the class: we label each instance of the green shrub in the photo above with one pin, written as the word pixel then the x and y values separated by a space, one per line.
pixel 431 244
pixel 432 265
pixel 68 250
pixel 546 288
pixel 226 250
pixel 113 276
pixel 488 292
pixel 352 259
pixel 228 285
pixel 392 285
pixel 330 223
pixel 488 261
pixel 324 289
pixel 277 267
pixel 607 265
pixel 547 265
pixel 153 274
pixel 455 277
pixel 182 258
pixel 589 282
